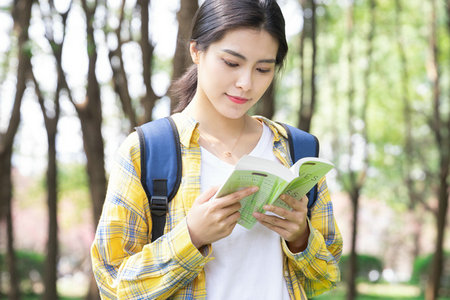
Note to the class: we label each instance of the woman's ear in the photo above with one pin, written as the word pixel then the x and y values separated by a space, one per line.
pixel 195 53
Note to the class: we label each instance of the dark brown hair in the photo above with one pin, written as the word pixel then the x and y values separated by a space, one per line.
pixel 214 19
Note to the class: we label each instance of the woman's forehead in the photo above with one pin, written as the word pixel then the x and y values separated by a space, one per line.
pixel 250 43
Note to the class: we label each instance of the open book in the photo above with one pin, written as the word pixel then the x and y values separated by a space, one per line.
pixel 273 179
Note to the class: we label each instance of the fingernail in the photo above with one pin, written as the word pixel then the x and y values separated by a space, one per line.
pixel 254 189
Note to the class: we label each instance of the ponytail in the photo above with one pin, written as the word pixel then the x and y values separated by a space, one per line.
pixel 184 88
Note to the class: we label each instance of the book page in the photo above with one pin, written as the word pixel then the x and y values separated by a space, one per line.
pixel 310 173
pixel 258 164
pixel 270 187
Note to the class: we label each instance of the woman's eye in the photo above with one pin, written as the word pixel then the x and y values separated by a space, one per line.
pixel 230 64
pixel 261 70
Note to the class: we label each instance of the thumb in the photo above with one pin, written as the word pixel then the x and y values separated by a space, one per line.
pixel 206 196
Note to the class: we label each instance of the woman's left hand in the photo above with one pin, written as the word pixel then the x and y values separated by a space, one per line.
pixel 292 226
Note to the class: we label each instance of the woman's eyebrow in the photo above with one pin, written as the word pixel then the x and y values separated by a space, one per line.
pixel 234 53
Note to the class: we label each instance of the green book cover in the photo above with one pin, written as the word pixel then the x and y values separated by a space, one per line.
pixel 273 179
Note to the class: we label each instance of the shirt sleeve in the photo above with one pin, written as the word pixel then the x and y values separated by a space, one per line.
pixel 317 266
pixel 126 265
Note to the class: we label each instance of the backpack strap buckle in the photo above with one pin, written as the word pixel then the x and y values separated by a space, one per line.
pixel 159 205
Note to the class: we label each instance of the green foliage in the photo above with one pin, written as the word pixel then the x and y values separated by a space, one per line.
pixel 385 117
pixel 421 268
pixel 72 177
pixel 28 49
pixel 365 265
pixel 74 187
pixel 421 271
pixel 30 268
pixel 161 64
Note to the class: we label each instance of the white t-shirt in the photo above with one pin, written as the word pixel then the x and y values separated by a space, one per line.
pixel 248 264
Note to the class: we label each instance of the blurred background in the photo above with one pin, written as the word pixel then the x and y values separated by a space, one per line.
pixel 370 78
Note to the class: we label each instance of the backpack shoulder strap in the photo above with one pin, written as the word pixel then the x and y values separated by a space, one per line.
pixel 160 168
pixel 303 144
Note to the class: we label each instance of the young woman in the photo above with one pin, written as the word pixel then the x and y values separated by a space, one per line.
pixel 236 46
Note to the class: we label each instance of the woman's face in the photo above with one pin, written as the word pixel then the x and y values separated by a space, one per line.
pixel 234 73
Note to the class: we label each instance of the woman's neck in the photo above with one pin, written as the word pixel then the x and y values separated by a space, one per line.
pixel 226 138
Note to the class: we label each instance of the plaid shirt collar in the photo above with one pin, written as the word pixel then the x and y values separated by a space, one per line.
pixel 189 135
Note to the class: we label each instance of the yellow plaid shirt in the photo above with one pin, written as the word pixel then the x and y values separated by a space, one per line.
pixel 128 266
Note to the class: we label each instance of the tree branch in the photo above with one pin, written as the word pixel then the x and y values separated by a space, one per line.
pixel 120 80
pixel 57 48
pixel 149 99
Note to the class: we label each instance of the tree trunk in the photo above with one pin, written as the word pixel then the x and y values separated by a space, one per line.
pixel 413 193
pixel 52 243
pixel 51 125
pixel 90 114
pixel 21 14
pixel 353 262
pixel 14 280
pixel 441 130
pixel 120 80
pixel 433 285
pixel 356 179
pixel 6 181
pixel 302 64
pixel 93 147
pixel 182 59
pixel 120 83
pixel 149 99
pixel 307 105
pixel 351 281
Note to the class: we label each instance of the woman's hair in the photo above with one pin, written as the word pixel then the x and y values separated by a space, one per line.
pixel 214 19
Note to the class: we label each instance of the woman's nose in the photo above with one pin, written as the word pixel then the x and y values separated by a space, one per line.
pixel 244 80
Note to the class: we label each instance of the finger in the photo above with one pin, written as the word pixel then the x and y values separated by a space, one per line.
pixel 227 224
pixel 233 218
pixel 231 209
pixel 291 215
pixel 286 229
pixel 231 222
pixel 273 220
pixel 206 196
pixel 295 204
pixel 236 196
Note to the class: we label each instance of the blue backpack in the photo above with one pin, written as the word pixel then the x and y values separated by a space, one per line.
pixel 161 164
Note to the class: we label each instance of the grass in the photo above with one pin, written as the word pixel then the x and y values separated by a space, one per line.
pixel 366 291
pixel 39 297
pixel 377 291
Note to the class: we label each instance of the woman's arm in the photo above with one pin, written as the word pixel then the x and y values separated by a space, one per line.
pixel 317 266
pixel 126 265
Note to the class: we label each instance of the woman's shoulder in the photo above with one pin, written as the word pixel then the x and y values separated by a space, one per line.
pixel 130 148
pixel 131 141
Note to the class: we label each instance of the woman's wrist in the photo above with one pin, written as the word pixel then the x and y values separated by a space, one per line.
pixel 299 244
pixel 196 241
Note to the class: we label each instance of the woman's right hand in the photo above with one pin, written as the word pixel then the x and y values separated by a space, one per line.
pixel 209 221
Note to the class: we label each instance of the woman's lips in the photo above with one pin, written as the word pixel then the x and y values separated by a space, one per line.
pixel 237 100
